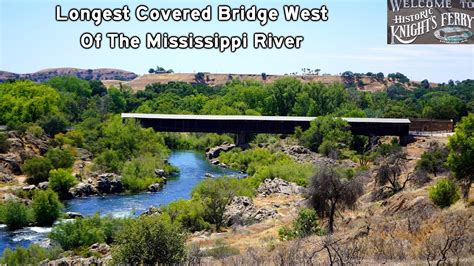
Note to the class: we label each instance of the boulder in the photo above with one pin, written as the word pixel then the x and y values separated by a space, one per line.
pixel 279 186
pixel 103 185
pixel 5 178
pixel 73 215
pixel 116 185
pixel 82 190
pixel 160 173
pixel 101 248
pixel 209 175
pixel 12 162
pixel 216 151
pixel 152 210
pixel 155 187
pixel 29 188
pixel 43 185
pixel 242 211
pixel 83 154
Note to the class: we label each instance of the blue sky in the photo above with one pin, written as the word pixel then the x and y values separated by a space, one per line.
pixel 354 39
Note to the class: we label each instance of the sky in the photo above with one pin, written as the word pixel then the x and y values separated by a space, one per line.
pixel 354 38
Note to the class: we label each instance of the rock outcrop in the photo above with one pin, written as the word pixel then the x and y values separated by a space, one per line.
pixel 155 187
pixel 107 183
pixel 22 147
pixel 279 186
pixel 213 153
pixel 242 211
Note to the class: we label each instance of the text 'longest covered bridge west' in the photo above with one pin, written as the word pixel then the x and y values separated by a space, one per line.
pixel 243 125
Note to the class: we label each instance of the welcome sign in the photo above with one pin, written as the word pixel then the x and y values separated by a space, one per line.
pixel 430 22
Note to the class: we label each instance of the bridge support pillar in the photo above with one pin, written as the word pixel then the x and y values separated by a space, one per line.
pixel 405 140
pixel 242 139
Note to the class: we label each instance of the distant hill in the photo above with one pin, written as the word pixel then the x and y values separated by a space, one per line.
pixel 88 74
pixel 369 83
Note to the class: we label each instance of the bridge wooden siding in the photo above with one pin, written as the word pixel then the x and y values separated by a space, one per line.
pixel 263 124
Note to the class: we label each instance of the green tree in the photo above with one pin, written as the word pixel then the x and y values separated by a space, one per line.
pixel 444 193
pixel 53 124
pixel 46 207
pixel 15 214
pixel 60 158
pixel 215 195
pixel 461 153
pixel 37 169
pixel 189 213
pixel 26 101
pixel 61 180
pixel 150 240
pixel 433 160
pixel 326 128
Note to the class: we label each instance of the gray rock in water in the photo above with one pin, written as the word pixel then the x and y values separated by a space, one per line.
pixel 155 187
pixel 43 185
pixel 160 173
pixel 209 175
pixel 82 190
pixel 73 215
pixel 279 186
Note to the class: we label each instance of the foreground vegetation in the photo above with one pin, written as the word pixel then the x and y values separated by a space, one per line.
pixel 83 114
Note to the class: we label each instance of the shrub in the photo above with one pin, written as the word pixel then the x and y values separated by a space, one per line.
pixel 37 169
pixel 46 207
pixel 150 240
pixel 329 149
pixel 306 224
pixel 84 232
pixel 61 180
pixel 60 158
pixel 139 173
pixel 35 130
pixel 432 161
pixel 4 143
pixel 32 255
pixel 15 214
pixel 53 125
pixel 444 193
pixel 216 194
pixel 190 214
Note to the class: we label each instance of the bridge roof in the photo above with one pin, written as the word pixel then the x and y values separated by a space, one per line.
pixel 259 118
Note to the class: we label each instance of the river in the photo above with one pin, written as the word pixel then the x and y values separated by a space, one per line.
pixel 193 167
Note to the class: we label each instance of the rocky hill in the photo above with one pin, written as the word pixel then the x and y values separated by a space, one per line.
pixel 213 79
pixel 88 74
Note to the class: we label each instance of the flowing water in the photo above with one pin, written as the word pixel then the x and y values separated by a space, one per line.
pixel 192 165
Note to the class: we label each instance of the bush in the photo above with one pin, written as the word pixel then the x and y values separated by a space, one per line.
pixel 432 161
pixel 84 232
pixel 46 207
pixel 35 130
pixel 4 143
pixel 216 194
pixel 37 169
pixel 444 193
pixel 32 255
pixel 139 173
pixel 61 180
pixel 190 214
pixel 53 125
pixel 306 224
pixel 329 149
pixel 60 158
pixel 150 240
pixel 15 214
